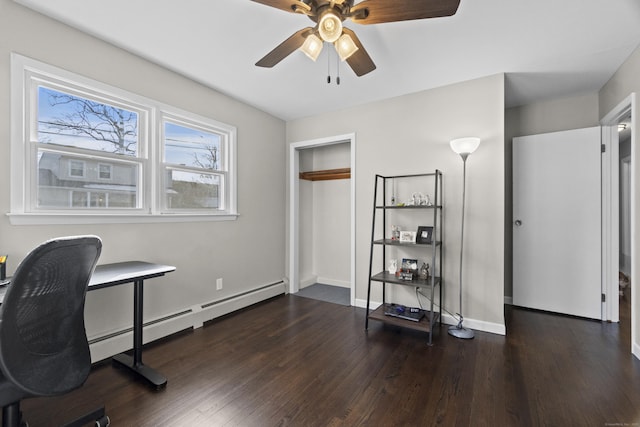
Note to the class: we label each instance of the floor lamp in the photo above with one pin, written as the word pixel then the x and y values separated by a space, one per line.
pixel 464 147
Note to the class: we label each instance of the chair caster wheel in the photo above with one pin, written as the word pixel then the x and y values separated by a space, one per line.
pixel 103 422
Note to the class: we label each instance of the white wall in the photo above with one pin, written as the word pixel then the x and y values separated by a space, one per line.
pixel 247 253
pixel 624 82
pixel 410 134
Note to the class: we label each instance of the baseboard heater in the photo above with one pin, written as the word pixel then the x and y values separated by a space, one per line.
pixel 112 343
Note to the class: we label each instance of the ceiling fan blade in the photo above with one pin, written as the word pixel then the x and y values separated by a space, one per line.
pixel 379 11
pixel 285 48
pixel 360 62
pixel 286 5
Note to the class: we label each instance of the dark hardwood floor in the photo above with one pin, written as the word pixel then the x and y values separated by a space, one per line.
pixel 293 361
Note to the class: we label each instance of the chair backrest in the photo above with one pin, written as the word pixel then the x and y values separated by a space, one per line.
pixel 43 343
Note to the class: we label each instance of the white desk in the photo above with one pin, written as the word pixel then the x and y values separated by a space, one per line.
pixel 119 273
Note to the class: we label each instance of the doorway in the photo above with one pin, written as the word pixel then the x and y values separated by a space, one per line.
pixel 618 198
pixel 295 221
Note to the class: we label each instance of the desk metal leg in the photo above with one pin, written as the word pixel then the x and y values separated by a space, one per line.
pixel 153 378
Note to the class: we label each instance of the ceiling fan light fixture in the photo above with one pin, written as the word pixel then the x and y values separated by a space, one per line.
pixel 345 46
pixel 312 46
pixel 330 27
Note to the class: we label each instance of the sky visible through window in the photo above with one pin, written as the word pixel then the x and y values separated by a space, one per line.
pixel 191 147
pixel 73 121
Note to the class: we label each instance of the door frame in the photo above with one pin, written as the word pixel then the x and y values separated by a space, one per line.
pixel 610 206
pixel 294 206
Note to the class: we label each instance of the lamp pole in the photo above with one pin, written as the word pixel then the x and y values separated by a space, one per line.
pixel 464 147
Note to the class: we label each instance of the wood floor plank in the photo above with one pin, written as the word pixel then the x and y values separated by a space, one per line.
pixel 293 361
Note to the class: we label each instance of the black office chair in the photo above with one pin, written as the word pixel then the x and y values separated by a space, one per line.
pixel 43 343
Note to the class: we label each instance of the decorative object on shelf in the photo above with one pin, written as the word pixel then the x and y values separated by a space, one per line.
pixel 417 199
pixel 409 269
pixel 393 266
pixel 409 264
pixel 395 232
pixel 424 234
pixel 464 147
pixel 424 271
pixel 406 275
pixel 408 236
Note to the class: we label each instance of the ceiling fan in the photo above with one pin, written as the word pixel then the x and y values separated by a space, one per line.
pixel 329 15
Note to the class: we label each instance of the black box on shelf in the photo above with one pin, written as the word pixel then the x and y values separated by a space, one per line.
pixel 406 275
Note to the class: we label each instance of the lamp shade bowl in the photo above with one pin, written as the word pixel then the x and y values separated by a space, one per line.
pixel 465 146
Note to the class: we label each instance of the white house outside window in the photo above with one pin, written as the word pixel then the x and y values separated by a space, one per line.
pixel 86 149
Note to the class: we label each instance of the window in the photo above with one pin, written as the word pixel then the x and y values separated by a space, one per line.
pixel 76 169
pixel 194 166
pixel 104 171
pixel 89 149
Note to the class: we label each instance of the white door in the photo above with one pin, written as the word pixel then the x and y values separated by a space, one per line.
pixel 557 222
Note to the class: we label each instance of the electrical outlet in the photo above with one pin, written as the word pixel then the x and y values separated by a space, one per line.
pixel 219 284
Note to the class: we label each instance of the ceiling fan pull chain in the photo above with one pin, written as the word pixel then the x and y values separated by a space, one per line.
pixel 337 69
pixel 328 67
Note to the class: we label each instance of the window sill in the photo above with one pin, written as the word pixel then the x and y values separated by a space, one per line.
pixel 112 218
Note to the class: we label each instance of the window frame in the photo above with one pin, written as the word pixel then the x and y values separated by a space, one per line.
pixel 27 75
pixel 223 169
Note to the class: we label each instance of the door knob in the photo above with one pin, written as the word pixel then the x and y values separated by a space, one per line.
pixel 518 223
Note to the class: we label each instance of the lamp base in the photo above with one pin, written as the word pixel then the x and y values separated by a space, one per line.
pixel 460 332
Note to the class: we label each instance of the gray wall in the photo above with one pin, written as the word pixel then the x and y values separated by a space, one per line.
pixel 247 253
pixel 410 134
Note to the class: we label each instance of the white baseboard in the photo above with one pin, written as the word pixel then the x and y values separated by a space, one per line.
pixel 635 350
pixel 476 325
pixel 106 346
pixel 334 282
pixel 447 319
pixel 308 281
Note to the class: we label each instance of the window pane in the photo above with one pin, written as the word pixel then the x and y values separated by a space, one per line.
pixel 191 147
pixel 104 171
pixel 187 190
pixel 72 121
pixel 59 187
pixel 76 168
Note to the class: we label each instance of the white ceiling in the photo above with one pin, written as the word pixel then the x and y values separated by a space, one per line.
pixel 547 48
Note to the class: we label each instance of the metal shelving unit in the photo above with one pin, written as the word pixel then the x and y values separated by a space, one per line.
pixel 380 240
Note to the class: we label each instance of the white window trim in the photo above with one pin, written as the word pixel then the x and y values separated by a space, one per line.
pixel 21 70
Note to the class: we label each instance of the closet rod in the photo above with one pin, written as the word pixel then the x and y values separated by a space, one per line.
pixel 323 175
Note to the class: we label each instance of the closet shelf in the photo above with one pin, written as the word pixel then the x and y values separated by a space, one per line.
pixel 324 175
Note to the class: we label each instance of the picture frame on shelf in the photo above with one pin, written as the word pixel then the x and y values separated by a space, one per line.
pixel 409 269
pixel 407 236
pixel 409 264
pixel 424 235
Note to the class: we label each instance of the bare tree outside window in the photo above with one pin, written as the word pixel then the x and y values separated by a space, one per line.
pixel 70 179
pixel 70 120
